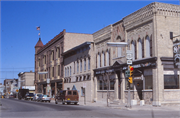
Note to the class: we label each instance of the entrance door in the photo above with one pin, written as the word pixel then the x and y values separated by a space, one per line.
pixel 139 87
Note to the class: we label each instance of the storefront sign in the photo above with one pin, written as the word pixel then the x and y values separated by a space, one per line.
pixel 176 53
pixel 104 71
pixel 138 78
pixel 143 65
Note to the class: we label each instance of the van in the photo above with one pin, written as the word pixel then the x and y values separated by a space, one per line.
pixel 67 96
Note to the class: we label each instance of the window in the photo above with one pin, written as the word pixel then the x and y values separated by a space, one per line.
pixel 147 47
pixel 82 91
pixel 171 82
pixel 119 52
pixel 133 49
pixel 112 85
pixel 52 55
pixel 148 82
pixel 65 73
pixel 139 49
pixel 58 70
pixel 69 92
pixel 80 65
pixel 52 71
pixel 102 85
pixel 61 70
pixel 107 58
pixel 74 93
pixel 57 52
pixel 89 66
pixel 74 67
pixel 77 66
pixel 99 60
pixel 70 70
pixel 84 64
pixel 143 48
pixel 103 59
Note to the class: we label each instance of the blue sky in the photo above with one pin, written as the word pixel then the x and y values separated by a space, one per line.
pixel 20 18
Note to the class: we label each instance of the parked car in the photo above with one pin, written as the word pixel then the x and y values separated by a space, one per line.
pixel 36 96
pixel 29 96
pixel 43 98
pixel 67 96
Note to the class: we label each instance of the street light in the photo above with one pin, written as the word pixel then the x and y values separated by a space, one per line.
pixel 48 80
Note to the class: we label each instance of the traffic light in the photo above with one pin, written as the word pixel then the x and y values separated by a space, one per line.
pixel 131 70
pixel 130 80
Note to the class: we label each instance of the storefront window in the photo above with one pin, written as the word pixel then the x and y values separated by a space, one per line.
pixel 103 86
pixel 171 82
pixel 148 82
pixel 111 85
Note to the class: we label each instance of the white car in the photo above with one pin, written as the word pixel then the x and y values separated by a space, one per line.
pixel 36 96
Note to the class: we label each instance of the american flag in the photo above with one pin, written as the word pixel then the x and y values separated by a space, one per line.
pixel 38 28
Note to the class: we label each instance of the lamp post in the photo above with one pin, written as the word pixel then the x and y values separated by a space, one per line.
pixel 122 44
pixel 48 80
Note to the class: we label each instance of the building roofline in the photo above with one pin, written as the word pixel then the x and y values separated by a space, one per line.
pixel 76 47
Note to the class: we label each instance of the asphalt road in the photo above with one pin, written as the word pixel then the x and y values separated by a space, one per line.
pixel 24 109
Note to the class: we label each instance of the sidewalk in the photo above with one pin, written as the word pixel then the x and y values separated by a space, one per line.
pixel 135 107
pixel 123 106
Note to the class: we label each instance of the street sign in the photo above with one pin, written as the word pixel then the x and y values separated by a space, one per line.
pixel 129 56
pixel 129 62
pixel 128 51
pixel 84 85
pixel 48 80
pixel 127 73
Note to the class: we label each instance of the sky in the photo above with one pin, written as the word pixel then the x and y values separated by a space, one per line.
pixel 20 18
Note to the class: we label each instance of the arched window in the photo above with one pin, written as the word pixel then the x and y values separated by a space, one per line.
pixel 103 59
pixel 143 48
pixel 80 65
pixel 84 64
pixel 89 63
pixel 77 66
pixel 70 70
pixel 57 52
pixel 99 60
pixel 139 49
pixel 65 73
pixel 147 46
pixel 107 58
pixel 133 49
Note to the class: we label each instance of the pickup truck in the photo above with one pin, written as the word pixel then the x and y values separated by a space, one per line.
pixel 29 96
pixel 67 96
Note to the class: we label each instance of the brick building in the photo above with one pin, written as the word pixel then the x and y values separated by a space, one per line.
pixel 48 58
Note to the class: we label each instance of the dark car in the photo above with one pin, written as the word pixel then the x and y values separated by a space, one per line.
pixel 29 96
pixel 67 96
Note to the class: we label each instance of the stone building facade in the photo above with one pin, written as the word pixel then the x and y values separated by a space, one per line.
pixel 78 74
pixel 27 81
pixel 147 31
pixel 48 58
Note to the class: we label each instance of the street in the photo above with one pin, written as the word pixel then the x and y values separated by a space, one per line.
pixel 25 109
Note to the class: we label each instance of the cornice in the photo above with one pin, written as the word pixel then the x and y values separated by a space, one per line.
pixel 146 13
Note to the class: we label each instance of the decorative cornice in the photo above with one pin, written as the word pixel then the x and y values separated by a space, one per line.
pixel 146 13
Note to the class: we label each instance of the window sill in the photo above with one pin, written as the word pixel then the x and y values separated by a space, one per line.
pixel 105 90
pixel 171 89
pixel 147 90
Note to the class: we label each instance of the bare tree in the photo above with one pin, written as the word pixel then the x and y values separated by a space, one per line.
pixel 106 80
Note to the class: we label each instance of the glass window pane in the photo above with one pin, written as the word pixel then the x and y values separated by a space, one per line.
pixel 171 82
pixel 148 82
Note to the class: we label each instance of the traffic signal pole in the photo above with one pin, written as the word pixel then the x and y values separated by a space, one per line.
pixel 129 94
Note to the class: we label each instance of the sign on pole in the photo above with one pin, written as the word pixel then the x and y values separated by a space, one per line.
pixel 84 85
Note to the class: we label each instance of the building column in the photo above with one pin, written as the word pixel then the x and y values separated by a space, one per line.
pixel 116 87
pixel 158 84
pixel 95 88
pixel 122 86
